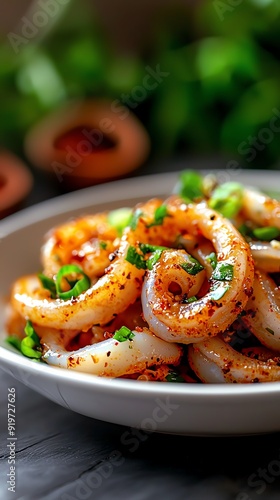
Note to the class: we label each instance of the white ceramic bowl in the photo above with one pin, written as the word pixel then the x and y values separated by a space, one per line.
pixel 185 409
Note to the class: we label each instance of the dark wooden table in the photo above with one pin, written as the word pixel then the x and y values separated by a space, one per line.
pixel 61 455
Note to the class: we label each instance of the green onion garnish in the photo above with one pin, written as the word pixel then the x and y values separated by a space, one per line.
pixel 227 199
pixel 156 251
pixel 218 291
pixel 191 299
pixel 120 218
pixel 70 275
pixel 103 245
pixel 147 248
pixel 135 258
pixel 191 185
pixel 152 260
pixel 223 272
pixel 74 277
pixel 266 233
pixel 212 259
pixel 30 332
pixel 14 341
pixel 48 284
pixel 174 377
pixel 29 346
pixel 159 215
pixel 192 266
pixel 123 334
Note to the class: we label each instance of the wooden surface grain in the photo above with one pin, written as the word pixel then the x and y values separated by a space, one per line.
pixel 61 455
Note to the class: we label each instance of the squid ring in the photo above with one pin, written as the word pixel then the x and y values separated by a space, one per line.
pixel 218 308
pixel 110 295
pixel 111 358
pixel 62 240
pixel 260 208
pixel 266 255
pixel 215 361
pixel 263 311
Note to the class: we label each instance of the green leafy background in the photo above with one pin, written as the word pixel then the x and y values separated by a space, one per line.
pixel 221 92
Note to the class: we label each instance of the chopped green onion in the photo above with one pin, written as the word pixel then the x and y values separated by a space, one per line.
pixel 135 258
pixel 27 348
pixel 120 218
pixel 135 218
pixel 146 248
pixel 212 259
pixel 103 245
pixel 227 199
pixel 30 345
pixel 217 292
pixel 78 284
pixel 123 334
pixel 266 233
pixel 48 284
pixel 30 332
pixel 152 260
pixel 174 377
pixel 66 273
pixel 14 341
pixel 156 251
pixel 270 331
pixel 223 272
pixel 159 215
pixel 191 185
pixel 192 266
pixel 191 299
